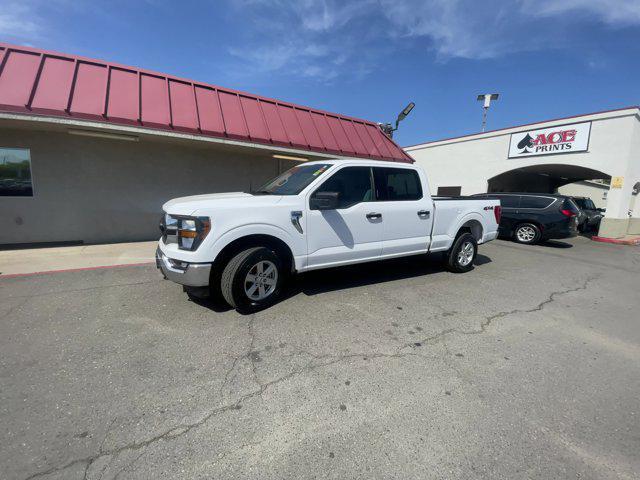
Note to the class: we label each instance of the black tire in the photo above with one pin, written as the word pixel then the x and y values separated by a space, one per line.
pixel 234 275
pixel 457 263
pixel 215 291
pixel 527 233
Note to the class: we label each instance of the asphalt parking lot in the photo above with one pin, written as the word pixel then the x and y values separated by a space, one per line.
pixel 526 367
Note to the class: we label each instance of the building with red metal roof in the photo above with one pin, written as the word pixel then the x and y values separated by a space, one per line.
pixel 36 82
pixel 89 150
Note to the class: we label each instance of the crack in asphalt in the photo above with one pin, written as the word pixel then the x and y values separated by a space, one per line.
pixel 490 319
pixel 316 362
pixel 128 465
pixel 248 355
pixel 586 261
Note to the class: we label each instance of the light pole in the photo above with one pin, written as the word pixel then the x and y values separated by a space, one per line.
pixel 388 129
pixel 486 98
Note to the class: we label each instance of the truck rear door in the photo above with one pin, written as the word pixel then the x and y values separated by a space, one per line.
pixel 407 211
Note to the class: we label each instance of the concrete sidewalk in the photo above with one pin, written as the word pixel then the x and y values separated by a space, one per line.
pixel 40 260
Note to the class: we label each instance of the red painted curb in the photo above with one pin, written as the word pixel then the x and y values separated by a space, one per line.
pixel 617 241
pixel 13 275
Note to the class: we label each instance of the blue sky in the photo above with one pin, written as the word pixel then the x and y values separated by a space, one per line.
pixel 367 58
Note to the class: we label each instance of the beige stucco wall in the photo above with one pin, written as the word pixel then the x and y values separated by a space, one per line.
pixel 470 162
pixel 103 190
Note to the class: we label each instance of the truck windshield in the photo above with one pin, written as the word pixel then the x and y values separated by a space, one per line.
pixel 293 181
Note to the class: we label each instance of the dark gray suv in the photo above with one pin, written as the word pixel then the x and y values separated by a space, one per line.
pixel 590 215
pixel 534 217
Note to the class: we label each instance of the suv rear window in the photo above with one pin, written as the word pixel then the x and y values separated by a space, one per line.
pixel 569 204
pixel 584 203
pixel 535 202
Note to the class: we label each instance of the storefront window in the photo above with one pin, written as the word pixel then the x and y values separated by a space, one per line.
pixel 15 172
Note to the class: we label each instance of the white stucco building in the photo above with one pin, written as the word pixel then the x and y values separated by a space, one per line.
pixel 544 156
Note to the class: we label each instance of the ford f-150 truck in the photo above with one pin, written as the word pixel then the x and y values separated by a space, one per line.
pixel 320 214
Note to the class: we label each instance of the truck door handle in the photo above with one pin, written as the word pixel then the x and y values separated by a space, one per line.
pixel 373 215
pixel 423 213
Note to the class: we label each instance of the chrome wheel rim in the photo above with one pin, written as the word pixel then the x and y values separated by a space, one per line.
pixel 261 280
pixel 526 234
pixel 465 255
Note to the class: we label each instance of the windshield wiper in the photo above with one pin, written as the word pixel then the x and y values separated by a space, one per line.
pixel 261 192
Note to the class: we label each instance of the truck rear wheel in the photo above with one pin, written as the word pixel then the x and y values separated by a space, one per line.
pixel 462 254
pixel 252 280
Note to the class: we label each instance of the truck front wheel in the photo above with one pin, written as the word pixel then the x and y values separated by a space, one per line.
pixel 252 280
pixel 462 254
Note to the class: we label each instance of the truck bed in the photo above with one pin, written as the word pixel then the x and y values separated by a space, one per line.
pixel 450 213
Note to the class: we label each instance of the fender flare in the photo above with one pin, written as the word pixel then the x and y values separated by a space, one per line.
pixel 253 229
pixel 471 216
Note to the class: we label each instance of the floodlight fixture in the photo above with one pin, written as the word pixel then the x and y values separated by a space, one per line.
pixel 486 99
pixel 388 129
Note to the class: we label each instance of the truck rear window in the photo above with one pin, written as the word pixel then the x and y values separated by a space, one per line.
pixel 293 181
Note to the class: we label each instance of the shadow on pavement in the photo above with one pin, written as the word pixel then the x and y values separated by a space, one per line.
pixel 351 276
pixel 555 244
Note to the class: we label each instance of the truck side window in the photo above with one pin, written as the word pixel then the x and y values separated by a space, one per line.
pixel 535 202
pixel 509 201
pixel 353 185
pixel 397 184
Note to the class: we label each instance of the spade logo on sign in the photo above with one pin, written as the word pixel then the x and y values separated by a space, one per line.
pixel 526 142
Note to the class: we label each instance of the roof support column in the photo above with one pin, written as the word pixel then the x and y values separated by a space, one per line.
pixel 616 220
pixel 634 221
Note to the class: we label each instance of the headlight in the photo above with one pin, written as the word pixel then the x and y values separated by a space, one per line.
pixel 192 231
pixel 187 232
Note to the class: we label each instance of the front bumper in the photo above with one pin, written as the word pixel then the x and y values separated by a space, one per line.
pixel 184 273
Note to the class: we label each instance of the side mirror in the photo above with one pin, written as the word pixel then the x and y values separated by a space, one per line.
pixel 601 210
pixel 324 201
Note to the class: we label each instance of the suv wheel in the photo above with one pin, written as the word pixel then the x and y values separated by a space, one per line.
pixel 252 280
pixel 462 254
pixel 527 233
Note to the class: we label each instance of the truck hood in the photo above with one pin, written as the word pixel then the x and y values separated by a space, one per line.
pixel 190 205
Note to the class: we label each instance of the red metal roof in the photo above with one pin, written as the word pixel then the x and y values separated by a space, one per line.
pixel 34 81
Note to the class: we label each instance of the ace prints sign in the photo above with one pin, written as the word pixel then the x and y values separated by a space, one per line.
pixel 550 141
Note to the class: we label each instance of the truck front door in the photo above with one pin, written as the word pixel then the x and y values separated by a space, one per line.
pixel 353 231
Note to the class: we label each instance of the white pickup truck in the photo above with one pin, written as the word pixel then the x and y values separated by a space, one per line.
pixel 242 246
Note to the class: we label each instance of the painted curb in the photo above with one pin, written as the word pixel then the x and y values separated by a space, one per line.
pixel 617 241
